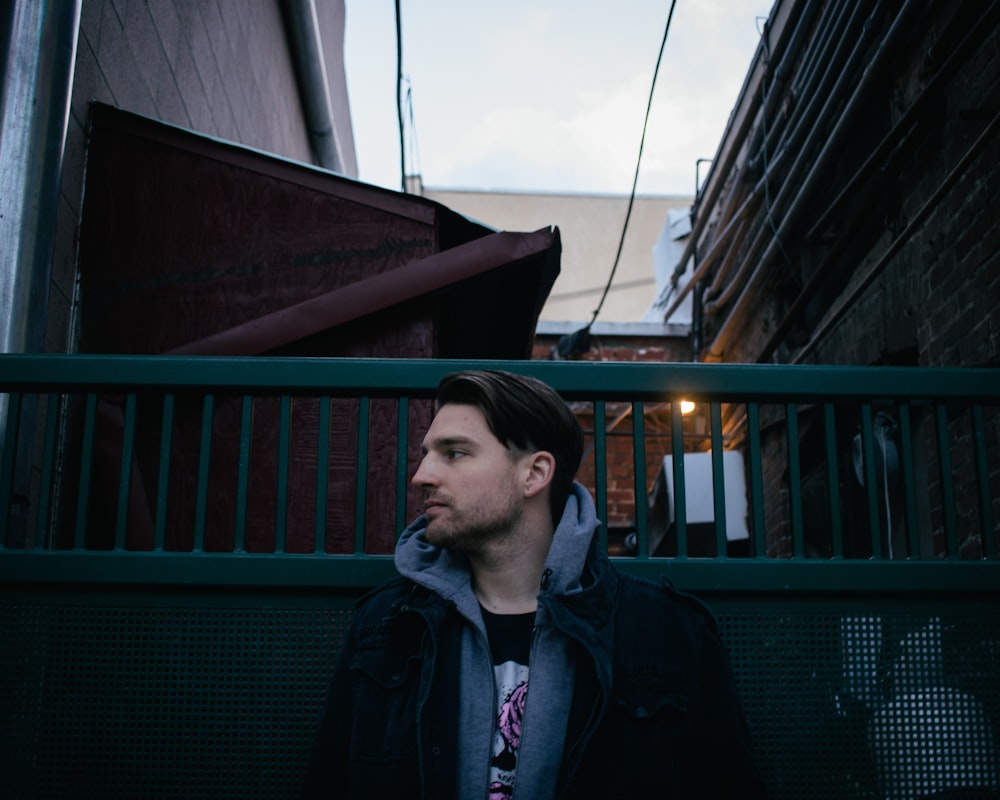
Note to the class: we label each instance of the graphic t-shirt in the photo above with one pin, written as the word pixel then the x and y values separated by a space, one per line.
pixel 510 643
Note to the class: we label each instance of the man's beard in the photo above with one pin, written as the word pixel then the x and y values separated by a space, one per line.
pixel 473 533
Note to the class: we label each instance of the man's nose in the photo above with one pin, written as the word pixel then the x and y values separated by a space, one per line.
pixel 424 474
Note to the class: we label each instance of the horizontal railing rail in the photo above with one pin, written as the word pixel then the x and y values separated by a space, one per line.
pixel 278 472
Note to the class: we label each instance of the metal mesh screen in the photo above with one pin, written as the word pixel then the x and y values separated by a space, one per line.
pixel 872 705
pixel 127 701
pixel 130 702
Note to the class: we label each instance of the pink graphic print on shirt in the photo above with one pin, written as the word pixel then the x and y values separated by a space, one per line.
pixel 512 695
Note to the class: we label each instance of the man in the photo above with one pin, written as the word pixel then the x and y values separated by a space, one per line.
pixel 511 659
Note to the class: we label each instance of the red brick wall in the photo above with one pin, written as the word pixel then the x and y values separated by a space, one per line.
pixel 618 440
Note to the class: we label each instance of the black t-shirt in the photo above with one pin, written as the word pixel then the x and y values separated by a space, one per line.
pixel 510 645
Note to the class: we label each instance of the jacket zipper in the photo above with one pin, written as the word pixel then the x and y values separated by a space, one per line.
pixel 524 720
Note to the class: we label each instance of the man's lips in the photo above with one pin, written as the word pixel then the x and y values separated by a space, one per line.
pixel 431 506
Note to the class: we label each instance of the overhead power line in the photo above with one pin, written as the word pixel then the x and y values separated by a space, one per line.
pixel 579 341
pixel 399 96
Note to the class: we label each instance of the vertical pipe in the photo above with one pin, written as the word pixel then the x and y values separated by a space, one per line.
pixel 39 40
pixel 38 63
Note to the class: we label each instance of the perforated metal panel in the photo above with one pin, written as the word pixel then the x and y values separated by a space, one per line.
pixel 216 699
pixel 127 702
pixel 881 704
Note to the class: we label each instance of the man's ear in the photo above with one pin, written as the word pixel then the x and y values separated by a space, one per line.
pixel 541 470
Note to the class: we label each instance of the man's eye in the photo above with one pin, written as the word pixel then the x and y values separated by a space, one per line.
pixel 453 454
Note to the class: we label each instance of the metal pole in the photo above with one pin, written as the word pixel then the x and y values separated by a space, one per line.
pixel 39 40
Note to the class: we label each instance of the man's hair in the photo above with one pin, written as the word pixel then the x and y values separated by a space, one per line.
pixel 524 414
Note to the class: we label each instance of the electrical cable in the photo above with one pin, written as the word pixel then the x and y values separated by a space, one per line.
pixel 414 144
pixel 399 96
pixel 635 180
pixel 571 343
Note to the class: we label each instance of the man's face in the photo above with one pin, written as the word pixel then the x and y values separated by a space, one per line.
pixel 471 484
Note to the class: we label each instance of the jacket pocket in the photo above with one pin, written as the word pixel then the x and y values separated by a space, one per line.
pixel 385 684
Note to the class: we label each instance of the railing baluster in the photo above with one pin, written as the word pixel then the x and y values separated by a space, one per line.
pixel 601 469
pixel 639 485
pixel 909 491
pixel 795 480
pixel 163 477
pixel 947 481
pixel 52 409
pixel 125 473
pixel 680 491
pixel 281 493
pixel 871 480
pixel 201 499
pixel 322 473
pixel 983 483
pixel 9 464
pixel 402 458
pixel 833 480
pixel 243 473
pixel 718 481
pixel 756 481
pixel 361 476
pixel 86 463
pixel 73 417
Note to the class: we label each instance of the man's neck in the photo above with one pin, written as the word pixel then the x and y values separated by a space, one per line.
pixel 508 582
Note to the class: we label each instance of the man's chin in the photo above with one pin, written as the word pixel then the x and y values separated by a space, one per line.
pixel 439 537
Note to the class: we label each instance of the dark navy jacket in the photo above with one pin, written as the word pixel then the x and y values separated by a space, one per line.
pixel 655 710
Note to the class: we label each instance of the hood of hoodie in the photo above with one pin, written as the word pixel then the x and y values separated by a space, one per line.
pixel 446 572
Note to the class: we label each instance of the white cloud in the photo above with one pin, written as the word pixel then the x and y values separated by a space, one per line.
pixel 548 97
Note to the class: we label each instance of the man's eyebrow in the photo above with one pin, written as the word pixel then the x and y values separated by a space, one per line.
pixel 443 442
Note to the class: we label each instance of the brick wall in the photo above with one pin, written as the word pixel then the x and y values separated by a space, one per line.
pixel 620 463
pixel 618 439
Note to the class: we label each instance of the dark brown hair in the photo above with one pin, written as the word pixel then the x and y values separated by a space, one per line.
pixel 524 414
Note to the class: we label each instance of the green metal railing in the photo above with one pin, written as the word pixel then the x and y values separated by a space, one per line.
pixel 183 540
pixel 821 513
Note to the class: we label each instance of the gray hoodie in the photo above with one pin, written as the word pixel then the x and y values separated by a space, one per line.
pixel 551 679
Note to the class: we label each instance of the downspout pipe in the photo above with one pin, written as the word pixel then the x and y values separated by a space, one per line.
pixel 38 40
pixel 812 181
pixel 306 47
pixel 740 122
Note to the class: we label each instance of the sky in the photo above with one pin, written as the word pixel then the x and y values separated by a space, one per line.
pixel 547 95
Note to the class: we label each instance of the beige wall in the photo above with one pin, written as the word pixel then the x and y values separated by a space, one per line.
pixel 591 227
